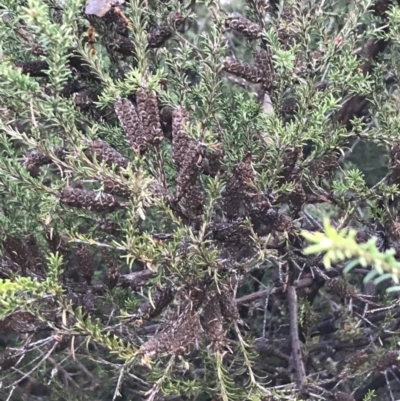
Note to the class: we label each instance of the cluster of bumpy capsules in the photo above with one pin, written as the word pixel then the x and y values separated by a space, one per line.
pixel 202 316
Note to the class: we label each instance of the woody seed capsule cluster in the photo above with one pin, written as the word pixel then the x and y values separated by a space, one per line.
pixel 105 153
pixel 228 306
pixel 290 159
pixel 212 319
pixel 289 105
pixel 85 102
pixel 176 18
pixel 116 188
pixel 286 33
pixel 158 36
pixel 131 124
pixel 35 68
pixel 212 162
pixel 393 228
pixel 237 188
pixel 85 263
pixel 244 70
pixel 298 197
pixel 388 360
pixel 24 252
pixel 188 156
pixel 182 333
pixel 35 159
pixel 324 166
pixel 89 200
pixel 203 315
pixel 263 63
pixel 180 141
pixel 357 360
pixel 166 121
pixel 111 276
pixel 244 26
pixel 189 168
pixel 108 227
pixel 276 221
pixel 342 289
pixel 149 115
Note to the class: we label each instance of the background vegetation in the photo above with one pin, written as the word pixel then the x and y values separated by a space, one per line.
pixel 165 171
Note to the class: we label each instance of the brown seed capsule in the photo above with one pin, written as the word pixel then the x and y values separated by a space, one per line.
pixel 286 32
pixel 289 105
pixel 380 8
pixel 211 163
pixel 36 159
pixel 158 36
pixel 394 229
pixel 105 153
pixel 176 18
pixel 116 188
pixel 276 221
pixel 212 319
pixel 25 253
pixel 190 166
pixel 228 305
pixel 342 289
pixel 122 44
pixel 109 227
pixel 290 158
pixel 85 263
pixel 85 102
pixel 388 360
pixel 357 360
pixel 238 188
pixel 35 68
pixel 122 19
pixel 244 70
pixel 57 243
pixel 131 124
pixel 166 121
pixel 112 274
pixel 192 202
pixel 324 167
pixel 298 197
pixel 263 62
pixel 177 337
pixel 180 140
pixel 244 26
pixel 91 40
pixel 149 114
pixel 91 200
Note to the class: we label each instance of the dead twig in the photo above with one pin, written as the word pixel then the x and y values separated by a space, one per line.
pixel 300 373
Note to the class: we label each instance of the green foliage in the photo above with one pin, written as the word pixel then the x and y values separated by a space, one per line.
pixel 160 166
pixel 341 245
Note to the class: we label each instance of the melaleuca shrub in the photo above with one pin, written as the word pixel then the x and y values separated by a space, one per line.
pixel 159 162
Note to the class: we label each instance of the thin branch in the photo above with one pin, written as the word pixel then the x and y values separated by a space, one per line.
pixel 36 367
pixel 294 334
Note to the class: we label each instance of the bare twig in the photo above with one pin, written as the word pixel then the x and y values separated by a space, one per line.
pixel 36 367
pixel 259 294
pixel 294 334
